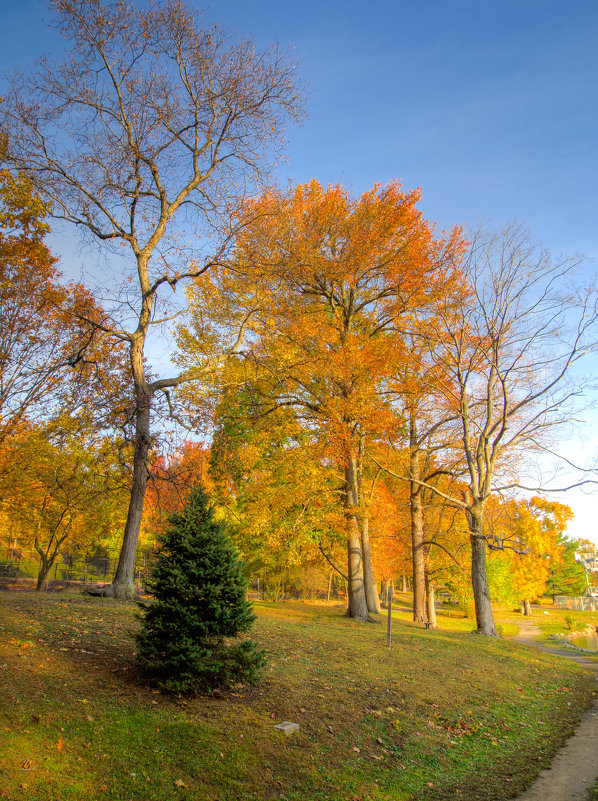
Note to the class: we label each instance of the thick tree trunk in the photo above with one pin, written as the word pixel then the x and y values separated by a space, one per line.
pixel 527 607
pixel 123 585
pixel 479 580
pixel 371 594
pixel 357 607
pixel 431 604
pixel 417 539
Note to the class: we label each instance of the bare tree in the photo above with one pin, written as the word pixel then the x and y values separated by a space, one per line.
pixel 504 353
pixel 145 138
pixel 505 359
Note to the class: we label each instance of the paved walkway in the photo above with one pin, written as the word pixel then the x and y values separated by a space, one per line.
pixel 574 769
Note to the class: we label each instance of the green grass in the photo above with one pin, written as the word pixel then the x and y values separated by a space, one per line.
pixel 551 620
pixel 441 715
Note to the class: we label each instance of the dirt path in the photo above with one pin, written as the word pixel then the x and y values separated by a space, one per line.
pixel 574 769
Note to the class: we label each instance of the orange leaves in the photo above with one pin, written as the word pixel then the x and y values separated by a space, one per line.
pixel 340 276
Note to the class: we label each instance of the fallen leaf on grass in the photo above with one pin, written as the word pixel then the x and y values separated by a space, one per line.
pixel 179 783
pixel 60 743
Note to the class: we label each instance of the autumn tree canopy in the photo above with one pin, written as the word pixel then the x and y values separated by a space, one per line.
pixel 331 278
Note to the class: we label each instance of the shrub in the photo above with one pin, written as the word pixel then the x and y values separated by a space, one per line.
pixel 199 604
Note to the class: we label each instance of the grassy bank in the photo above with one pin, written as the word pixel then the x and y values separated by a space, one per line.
pixel 442 715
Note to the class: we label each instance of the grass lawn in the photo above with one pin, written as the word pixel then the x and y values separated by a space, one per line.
pixel 441 715
pixel 551 620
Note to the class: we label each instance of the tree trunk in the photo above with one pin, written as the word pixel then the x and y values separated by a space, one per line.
pixel 372 598
pixel 431 604
pixel 123 585
pixel 371 594
pixel 43 574
pixel 417 536
pixel 48 556
pixel 479 580
pixel 357 607
pixel 527 607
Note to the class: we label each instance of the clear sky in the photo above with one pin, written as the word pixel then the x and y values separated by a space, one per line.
pixel 490 107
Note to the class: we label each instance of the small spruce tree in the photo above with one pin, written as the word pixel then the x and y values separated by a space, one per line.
pixel 199 601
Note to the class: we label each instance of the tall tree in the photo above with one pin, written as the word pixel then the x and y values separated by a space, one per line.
pixel 535 526
pixel 144 138
pixel 504 359
pixel 332 276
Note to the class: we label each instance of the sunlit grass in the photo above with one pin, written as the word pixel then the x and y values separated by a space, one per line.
pixel 441 714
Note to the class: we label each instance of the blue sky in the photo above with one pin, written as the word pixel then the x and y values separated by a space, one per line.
pixel 490 107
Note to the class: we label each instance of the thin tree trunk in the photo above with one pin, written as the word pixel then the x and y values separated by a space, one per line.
pixel 123 585
pixel 48 556
pixel 329 588
pixel 431 603
pixel 357 607
pixel 479 580
pixel 417 537
pixel 527 607
pixel 371 594
pixel 372 598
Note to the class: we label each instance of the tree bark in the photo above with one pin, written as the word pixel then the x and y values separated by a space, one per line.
pixel 479 580
pixel 417 535
pixel 357 603
pixel 42 576
pixel 527 607
pixel 431 604
pixel 123 586
pixel 371 594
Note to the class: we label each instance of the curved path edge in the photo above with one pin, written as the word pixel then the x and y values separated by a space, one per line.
pixel 574 769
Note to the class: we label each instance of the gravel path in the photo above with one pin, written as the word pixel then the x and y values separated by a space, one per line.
pixel 574 769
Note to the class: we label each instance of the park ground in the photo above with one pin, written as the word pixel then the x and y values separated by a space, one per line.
pixel 440 715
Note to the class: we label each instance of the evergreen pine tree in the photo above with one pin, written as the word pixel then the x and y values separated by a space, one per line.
pixel 567 576
pixel 199 601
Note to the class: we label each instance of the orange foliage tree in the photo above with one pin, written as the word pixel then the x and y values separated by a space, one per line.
pixel 332 278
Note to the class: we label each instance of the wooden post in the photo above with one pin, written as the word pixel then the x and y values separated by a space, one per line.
pixel 389 625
